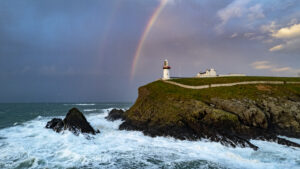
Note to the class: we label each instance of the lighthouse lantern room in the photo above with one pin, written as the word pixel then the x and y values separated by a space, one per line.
pixel 166 68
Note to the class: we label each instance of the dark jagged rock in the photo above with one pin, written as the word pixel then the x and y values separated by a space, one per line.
pixel 74 122
pixel 55 124
pixel 160 111
pixel 188 132
pixel 115 114
pixel 282 141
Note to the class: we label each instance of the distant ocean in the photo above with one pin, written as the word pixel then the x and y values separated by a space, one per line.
pixel 25 143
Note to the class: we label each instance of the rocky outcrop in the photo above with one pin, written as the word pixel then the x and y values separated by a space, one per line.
pixel 246 111
pixel 55 124
pixel 115 114
pixel 74 121
pixel 232 122
pixel 275 115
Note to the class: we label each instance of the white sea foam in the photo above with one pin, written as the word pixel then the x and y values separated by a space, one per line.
pixel 82 104
pixel 32 146
pixel 89 110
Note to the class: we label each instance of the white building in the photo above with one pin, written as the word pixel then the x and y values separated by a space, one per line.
pixel 166 68
pixel 208 73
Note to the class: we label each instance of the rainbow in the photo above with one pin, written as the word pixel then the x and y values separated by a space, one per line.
pixel 145 34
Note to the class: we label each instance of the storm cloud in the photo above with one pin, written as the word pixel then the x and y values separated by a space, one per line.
pixel 79 51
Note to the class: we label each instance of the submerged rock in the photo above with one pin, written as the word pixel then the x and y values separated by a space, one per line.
pixel 115 114
pixel 74 121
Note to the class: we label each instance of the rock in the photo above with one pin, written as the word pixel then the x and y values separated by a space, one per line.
pixel 283 115
pixel 56 124
pixel 115 114
pixel 162 110
pixel 74 122
pixel 282 141
pixel 245 110
pixel 188 131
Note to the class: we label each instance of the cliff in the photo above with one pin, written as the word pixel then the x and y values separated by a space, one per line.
pixel 230 115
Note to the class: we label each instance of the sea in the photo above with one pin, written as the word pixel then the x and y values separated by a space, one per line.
pixel 26 143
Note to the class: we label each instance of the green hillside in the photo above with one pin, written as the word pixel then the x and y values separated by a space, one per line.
pixel 160 89
pixel 218 80
pixel 237 113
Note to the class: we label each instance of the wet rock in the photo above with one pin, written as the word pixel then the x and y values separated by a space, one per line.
pixel 56 124
pixel 282 141
pixel 190 132
pixel 74 121
pixel 115 114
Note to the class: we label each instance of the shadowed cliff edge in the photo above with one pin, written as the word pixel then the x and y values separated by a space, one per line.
pixel 229 115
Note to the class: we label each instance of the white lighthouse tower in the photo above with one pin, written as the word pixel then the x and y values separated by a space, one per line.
pixel 166 74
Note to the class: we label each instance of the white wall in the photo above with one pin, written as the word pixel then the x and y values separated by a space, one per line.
pixel 166 74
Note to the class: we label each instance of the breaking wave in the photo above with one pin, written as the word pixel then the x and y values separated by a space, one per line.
pixel 82 104
pixel 30 145
pixel 90 110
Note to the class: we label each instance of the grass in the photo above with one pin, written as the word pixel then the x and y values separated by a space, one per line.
pixel 160 89
pixel 162 103
pixel 219 80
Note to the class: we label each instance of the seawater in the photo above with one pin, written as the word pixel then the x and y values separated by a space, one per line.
pixel 25 143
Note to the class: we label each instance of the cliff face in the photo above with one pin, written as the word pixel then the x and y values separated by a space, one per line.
pixel 248 112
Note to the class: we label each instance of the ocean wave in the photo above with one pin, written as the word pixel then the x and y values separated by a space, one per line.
pixel 82 104
pixel 33 146
pixel 89 110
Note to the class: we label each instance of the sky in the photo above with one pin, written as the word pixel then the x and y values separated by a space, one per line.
pixel 103 50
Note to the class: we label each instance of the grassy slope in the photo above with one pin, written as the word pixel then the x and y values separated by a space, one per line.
pixel 160 89
pixel 218 80
pixel 166 103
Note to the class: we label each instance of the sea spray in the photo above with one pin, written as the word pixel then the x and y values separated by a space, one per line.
pixel 30 145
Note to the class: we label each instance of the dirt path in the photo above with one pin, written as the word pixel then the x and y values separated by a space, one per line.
pixel 227 84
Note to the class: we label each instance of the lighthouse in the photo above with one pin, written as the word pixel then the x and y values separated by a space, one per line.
pixel 166 68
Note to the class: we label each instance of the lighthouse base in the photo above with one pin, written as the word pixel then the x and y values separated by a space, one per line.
pixel 166 74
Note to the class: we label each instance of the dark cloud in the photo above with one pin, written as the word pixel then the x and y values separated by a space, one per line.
pixel 83 50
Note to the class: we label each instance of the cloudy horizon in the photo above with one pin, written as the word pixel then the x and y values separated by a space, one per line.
pixel 83 51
